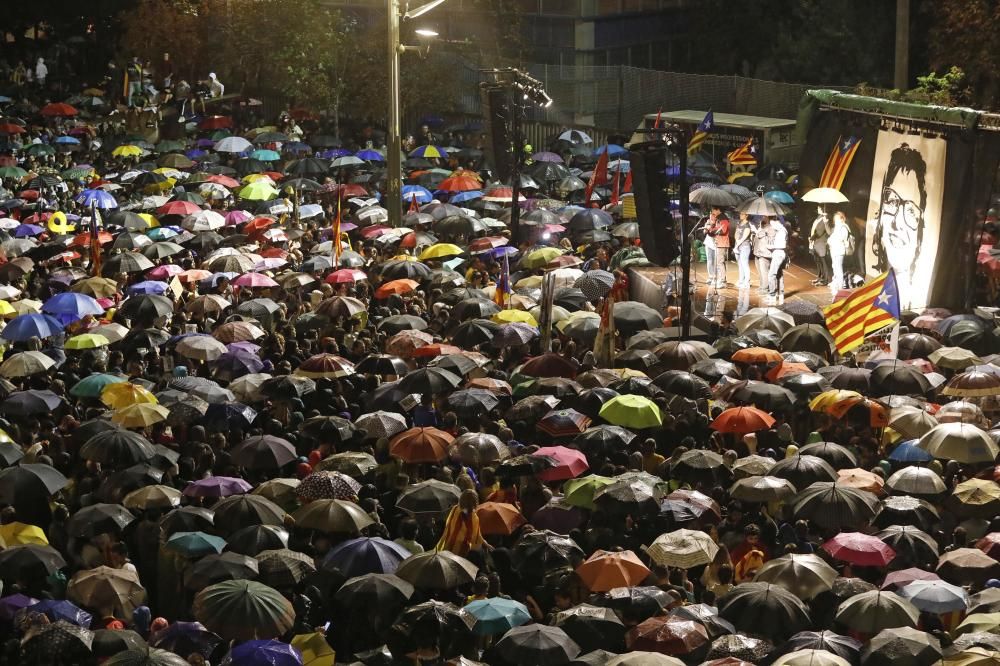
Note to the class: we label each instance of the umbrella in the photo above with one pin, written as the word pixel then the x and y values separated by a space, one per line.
pixel 606 570
pixel 237 511
pixel 873 611
pixel 497 615
pixel 860 549
pixel 762 489
pixel 805 576
pixel 99 518
pixel 117 447
pixel 834 506
pixel 936 596
pixel 284 568
pixel 901 645
pixel 683 549
pixel 25 485
pixel 670 635
pixel 264 452
pixel 967 565
pixel 963 442
pixel 537 644
pixel 437 570
pixel 631 411
pixel 540 551
pixel 217 486
pixel 56 643
pixel 332 515
pixel 811 658
pixel 742 420
pixel 110 591
pixel 243 610
pixel 977 497
pixel 421 444
pixel 434 625
pixel 764 609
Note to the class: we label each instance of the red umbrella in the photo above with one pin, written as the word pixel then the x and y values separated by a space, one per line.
pixel 259 224
pixel 11 128
pixel 990 544
pixel 742 420
pixel 57 109
pixel 460 183
pixel 860 549
pixel 178 208
pixel 223 180
pixel 607 570
pixel 550 365
pixel 216 122
pixel 83 240
pixel 569 463
pixel 395 287
pixel 435 350
pixel 667 635
pixel 898 579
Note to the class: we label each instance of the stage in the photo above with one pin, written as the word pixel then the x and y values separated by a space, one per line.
pixel 646 285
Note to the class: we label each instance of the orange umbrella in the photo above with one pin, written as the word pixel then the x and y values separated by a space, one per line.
pixel 878 414
pixel 757 355
pixel 460 182
pixel 497 386
pixel 499 518
pixel 403 286
pixel 418 445
pixel 742 420
pixel 606 570
pixel 861 479
pixel 785 369
pixel 436 350
pixel 194 275
pixel 83 240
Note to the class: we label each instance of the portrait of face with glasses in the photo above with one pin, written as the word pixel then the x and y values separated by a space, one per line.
pixel 899 229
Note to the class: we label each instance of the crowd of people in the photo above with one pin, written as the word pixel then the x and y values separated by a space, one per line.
pixel 246 421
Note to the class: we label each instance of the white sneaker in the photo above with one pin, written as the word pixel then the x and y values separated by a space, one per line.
pixel 781 299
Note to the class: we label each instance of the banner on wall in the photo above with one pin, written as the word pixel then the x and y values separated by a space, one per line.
pixel 904 212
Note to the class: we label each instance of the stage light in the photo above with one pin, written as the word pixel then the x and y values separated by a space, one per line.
pixel 427 33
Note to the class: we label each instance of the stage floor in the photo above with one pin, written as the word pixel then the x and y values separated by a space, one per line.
pixel 713 303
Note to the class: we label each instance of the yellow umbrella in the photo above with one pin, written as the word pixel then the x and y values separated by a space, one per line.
pixel 151 221
pixel 974 656
pixel 21 533
pixel 255 177
pixel 162 186
pixel 511 316
pixel 404 257
pixel 315 650
pixel 540 257
pixel 98 287
pixel 259 191
pixel 5 438
pixel 87 341
pixel 979 622
pixel 440 251
pixel 6 309
pixel 829 399
pixel 530 282
pixel 141 415
pixel 128 150
pixel 126 394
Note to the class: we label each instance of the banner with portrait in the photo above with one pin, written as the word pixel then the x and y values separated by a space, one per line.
pixel 905 212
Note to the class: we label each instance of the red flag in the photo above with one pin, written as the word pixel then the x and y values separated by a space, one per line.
pixel 656 125
pixel 413 204
pixel 616 190
pixel 627 187
pixel 598 177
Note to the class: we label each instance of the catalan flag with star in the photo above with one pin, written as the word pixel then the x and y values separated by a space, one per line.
pixel 869 308
pixel 839 162
pixel 745 155
pixel 700 132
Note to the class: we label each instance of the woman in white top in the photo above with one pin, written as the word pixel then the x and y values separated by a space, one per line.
pixel 838 246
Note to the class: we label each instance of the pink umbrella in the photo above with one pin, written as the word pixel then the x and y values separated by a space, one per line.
pixel 275 235
pixel 254 280
pixel 570 463
pixel 926 321
pixel 269 264
pixel 345 276
pixel 217 486
pixel 861 549
pixel 165 272
pixel 235 217
pixel 898 579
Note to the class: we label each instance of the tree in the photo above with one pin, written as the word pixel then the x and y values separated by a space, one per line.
pixel 962 36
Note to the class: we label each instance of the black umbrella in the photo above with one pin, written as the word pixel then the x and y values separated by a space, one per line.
pixel 429 380
pixel 838 456
pixel 537 644
pixel 843 646
pixel 432 625
pixel 769 397
pixel 98 519
pixel 901 645
pixel 287 387
pixel 917 345
pixel 28 484
pixel 765 610
pixel 213 569
pixel 428 497
pixel 634 603
pixel 803 470
pixel 381 364
pixel 592 627
pixel 332 429
pixel 256 538
pixel 604 438
pixel 234 513
pixel 109 642
pixel 56 643
pixel 458 364
pixel 897 378
pixel 117 447
pixel 911 544
pixel 147 306
pixel 906 510
pixel 849 379
pixel 707 616
pixel 632 316
pixel 398 323
pixel 379 594
pixel 712 370
pixel 835 507
pixel 28 562
pixel 188 519
pixel 590 401
pixel 264 452
pixel 32 401
pixel 684 384
pixel 808 338
pixel 537 552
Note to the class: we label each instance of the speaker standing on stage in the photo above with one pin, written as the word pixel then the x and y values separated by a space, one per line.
pixel 717 228
pixel 762 253
pixel 775 277
pixel 840 239
pixel 818 236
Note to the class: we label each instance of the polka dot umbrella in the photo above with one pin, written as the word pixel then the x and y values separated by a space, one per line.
pixel 328 485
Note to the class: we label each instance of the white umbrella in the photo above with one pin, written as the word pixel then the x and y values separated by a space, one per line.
pixel 825 195
pixel 232 144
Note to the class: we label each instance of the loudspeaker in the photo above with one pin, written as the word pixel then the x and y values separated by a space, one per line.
pixel 649 183
pixel 497 121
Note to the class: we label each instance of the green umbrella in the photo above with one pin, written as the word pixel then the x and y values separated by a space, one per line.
pixel 244 610
pixel 632 411
pixel 12 172
pixel 146 657
pixel 92 385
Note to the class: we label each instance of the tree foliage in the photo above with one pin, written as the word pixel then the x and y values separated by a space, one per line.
pixel 300 50
pixel 962 36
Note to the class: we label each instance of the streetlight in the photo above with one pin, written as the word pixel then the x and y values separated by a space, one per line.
pixel 394 144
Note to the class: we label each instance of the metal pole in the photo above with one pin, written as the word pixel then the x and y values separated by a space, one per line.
pixel 902 69
pixel 393 177
pixel 682 154
pixel 517 110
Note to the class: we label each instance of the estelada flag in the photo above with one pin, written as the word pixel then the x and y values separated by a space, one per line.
pixel 336 233
pixel 839 162
pixel 869 308
pixel 503 284
pixel 96 258
pixel 698 138
pixel 598 177
pixel 744 155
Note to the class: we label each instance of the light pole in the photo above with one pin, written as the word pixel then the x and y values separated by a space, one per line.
pixel 394 141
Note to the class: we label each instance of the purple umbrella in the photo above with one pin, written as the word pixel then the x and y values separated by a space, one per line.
pixel 217 486
pixel 195 154
pixel 148 287
pixel 186 638
pixel 545 156
pixel 15 602
pixel 234 364
pixel 249 347
pixel 27 230
pixel 365 555
pixel 558 517
pixel 265 653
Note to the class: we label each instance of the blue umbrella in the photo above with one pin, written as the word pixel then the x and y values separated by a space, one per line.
pixel 470 195
pixel 357 557
pixel 297 147
pixel 72 305
pixel 611 149
pixel 97 199
pixel 193 544
pixel 32 325
pixel 27 230
pixel 236 363
pixel 195 154
pixel 422 194
pixel 62 610
pixel 32 401
pixel 334 153
pixel 68 140
pixel 148 287
pixel 265 155
pixel 162 233
pixel 370 155
pixel 936 596
pixel 780 196
pixel 497 615
pixel 910 452
pixel 224 416
pixel 265 653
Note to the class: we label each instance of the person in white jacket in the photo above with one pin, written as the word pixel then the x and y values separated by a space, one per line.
pixel 838 245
